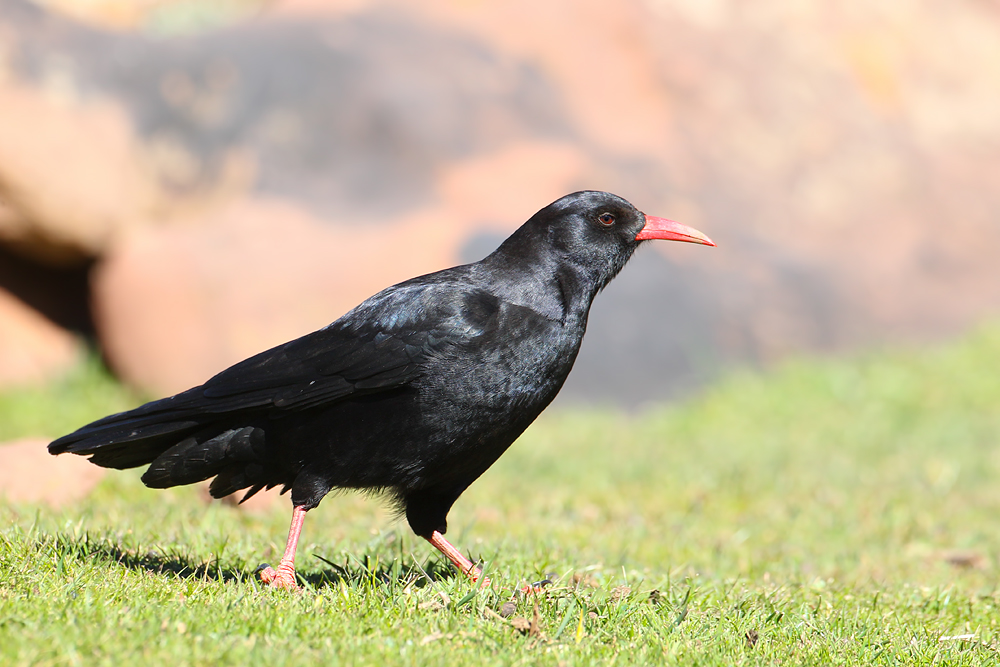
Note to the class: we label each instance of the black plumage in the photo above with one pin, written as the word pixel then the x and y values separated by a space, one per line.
pixel 415 392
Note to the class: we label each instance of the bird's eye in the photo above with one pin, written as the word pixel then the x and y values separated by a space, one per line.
pixel 606 219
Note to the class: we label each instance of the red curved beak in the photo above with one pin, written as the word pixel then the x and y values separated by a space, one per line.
pixel 668 230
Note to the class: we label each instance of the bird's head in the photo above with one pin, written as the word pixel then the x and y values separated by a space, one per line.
pixel 598 232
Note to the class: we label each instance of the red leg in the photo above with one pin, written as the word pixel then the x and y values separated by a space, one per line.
pixel 284 576
pixel 466 566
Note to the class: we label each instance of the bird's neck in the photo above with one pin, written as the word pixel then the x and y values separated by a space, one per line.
pixel 553 287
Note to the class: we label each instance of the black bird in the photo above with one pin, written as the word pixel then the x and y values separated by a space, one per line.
pixel 414 393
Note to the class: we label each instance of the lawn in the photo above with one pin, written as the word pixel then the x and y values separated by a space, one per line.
pixel 826 512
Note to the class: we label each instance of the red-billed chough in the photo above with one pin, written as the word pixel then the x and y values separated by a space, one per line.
pixel 414 393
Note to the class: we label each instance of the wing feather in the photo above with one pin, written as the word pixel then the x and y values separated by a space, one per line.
pixel 379 346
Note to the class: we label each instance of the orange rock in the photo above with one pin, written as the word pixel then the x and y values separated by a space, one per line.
pixel 844 157
pixel 175 305
pixel 32 349
pixel 506 186
pixel 29 474
pixel 75 178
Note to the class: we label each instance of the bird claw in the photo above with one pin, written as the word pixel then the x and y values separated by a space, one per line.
pixel 536 587
pixel 280 578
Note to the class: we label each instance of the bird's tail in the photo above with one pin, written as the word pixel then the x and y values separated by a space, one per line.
pixel 179 449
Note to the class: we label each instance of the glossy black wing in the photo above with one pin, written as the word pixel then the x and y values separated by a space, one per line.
pixel 319 368
pixel 380 345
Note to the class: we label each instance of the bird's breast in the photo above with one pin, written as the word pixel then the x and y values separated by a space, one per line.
pixel 479 398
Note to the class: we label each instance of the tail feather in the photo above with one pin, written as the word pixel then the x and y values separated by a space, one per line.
pixel 127 454
pixel 179 441
pixel 236 477
pixel 88 441
pixel 165 422
pixel 251 492
pixel 196 459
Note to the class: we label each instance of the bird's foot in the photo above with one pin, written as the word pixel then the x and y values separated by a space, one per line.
pixel 283 577
pixel 464 565
pixel 536 587
pixel 476 575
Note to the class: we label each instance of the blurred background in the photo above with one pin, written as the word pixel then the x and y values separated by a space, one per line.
pixel 183 184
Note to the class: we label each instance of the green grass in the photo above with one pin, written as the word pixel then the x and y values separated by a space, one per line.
pixel 829 512
pixel 85 394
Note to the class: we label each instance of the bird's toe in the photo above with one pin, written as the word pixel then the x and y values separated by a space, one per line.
pixel 279 578
pixel 536 587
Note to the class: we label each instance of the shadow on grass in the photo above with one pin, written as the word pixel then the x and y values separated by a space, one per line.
pixel 355 570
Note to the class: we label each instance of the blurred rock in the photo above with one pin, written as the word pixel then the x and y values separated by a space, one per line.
pixel 32 348
pixel 844 158
pixel 9 218
pixel 173 16
pixel 61 294
pixel 71 176
pixel 29 474
pixel 176 305
pixel 359 111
